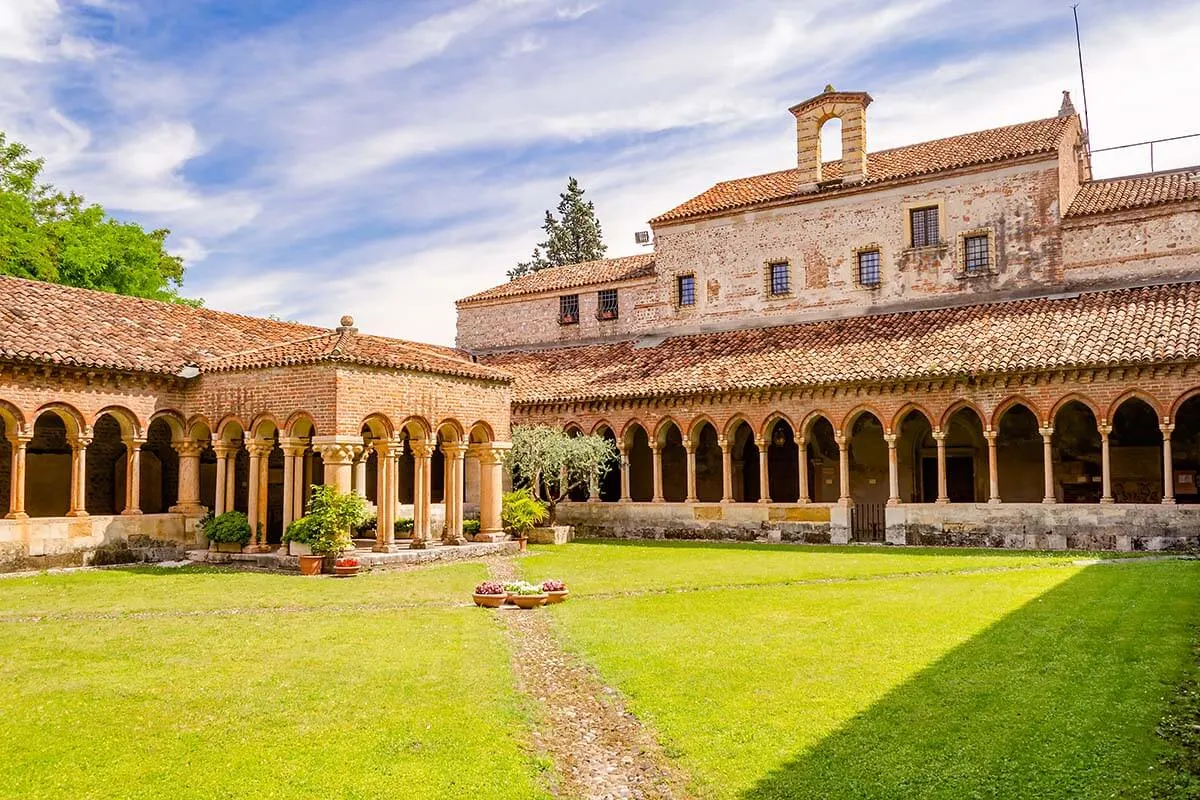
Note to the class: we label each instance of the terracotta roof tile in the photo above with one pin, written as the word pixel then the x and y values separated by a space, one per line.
pixel 1130 326
pixel 49 323
pixel 606 270
pixel 1141 191
pixel 969 149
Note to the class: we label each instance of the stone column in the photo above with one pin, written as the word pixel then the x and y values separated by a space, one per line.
pixel 625 494
pixel 691 472
pixel 993 467
pixel 1106 495
pixel 726 469
pixel 455 473
pixel 764 478
pixel 133 477
pixel 337 454
pixel 656 460
pixel 1168 465
pixel 893 470
pixel 843 469
pixel 1048 463
pixel 802 470
pixel 79 476
pixel 221 449
pixel 257 452
pixel 422 491
pixel 491 490
pixel 360 472
pixel 188 501
pixel 939 437
pixel 16 495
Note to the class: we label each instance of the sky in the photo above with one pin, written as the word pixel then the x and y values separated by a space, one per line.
pixel 382 158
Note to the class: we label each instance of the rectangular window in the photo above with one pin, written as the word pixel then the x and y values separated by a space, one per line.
pixel 781 278
pixel 686 290
pixel 924 223
pixel 606 304
pixel 868 268
pixel 977 260
pixel 568 309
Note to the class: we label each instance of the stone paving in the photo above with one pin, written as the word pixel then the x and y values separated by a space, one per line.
pixel 601 751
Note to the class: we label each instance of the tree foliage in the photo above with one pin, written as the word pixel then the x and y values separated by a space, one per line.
pixel 571 238
pixel 558 462
pixel 47 235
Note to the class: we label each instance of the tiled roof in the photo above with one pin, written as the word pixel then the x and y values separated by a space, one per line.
pixel 1142 191
pixel 606 270
pixel 969 149
pixel 49 323
pixel 1129 326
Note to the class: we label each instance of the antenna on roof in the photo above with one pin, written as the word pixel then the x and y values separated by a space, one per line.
pixel 1087 128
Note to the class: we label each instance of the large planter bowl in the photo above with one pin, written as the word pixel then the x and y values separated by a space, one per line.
pixel 311 565
pixel 529 600
pixel 489 600
pixel 557 597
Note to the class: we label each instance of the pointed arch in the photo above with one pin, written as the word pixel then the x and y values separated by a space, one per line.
pixel 1007 404
pixel 1131 394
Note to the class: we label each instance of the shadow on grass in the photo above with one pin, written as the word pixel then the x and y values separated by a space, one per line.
pixel 856 549
pixel 1057 700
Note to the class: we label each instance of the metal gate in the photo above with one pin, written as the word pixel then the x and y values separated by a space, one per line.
pixel 867 522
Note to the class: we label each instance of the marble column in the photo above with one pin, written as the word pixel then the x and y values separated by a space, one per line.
pixel 726 469
pixel 993 467
pixel 1048 463
pixel 939 438
pixel 16 495
pixel 1168 464
pixel 764 478
pixel 893 470
pixel 1106 495
pixel 133 477
pixel 79 476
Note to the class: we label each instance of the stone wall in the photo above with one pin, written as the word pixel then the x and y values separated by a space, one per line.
pixel 40 543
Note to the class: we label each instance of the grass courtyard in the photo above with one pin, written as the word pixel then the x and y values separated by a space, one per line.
pixel 765 672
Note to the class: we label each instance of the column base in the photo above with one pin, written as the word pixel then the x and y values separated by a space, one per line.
pixel 77 513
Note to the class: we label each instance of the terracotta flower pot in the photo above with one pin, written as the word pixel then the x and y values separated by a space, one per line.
pixel 556 597
pixel 345 572
pixel 311 565
pixel 530 600
pixel 489 600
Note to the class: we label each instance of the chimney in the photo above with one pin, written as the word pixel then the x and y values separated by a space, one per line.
pixel 851 109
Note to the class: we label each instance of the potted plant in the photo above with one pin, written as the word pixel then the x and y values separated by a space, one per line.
pixel 520 511
pixel 227 533
pixel 556 591
pixel 529 595
pixel 490 594
pixel 345 567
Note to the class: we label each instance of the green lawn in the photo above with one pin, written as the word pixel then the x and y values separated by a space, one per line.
pixel 1043 682
pixel 767 672
pixel 357 703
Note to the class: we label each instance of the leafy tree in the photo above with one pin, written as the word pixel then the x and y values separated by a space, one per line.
pixel 552 459
pixel 571 238
pixel 47 235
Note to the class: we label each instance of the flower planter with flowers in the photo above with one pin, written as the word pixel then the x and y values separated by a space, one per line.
pixel 345 567
pixel 556 591
pixel 490 594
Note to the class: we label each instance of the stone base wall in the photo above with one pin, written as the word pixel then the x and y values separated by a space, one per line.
pixel 44 542
pixel 1033 526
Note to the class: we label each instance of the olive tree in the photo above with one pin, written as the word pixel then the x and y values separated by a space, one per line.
pixel 558 463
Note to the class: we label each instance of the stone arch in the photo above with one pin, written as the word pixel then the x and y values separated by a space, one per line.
pixel 1076 397
pixel 851 418
pixel 1008 403
pixel 910 408
pixel 70 416
pixel 1131 394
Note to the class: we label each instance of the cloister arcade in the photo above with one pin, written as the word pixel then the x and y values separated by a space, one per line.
pixel 1136 450
pixel 56 462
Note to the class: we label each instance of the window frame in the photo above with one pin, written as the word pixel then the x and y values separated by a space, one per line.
pixel 679 279
pixel 602 312
pixel 565 302
pixel 859 253
pixel 770 266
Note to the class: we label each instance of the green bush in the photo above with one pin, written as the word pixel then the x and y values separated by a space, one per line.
pixel 404 525
pixel 470 527
pixel 520 511
pixel 232 527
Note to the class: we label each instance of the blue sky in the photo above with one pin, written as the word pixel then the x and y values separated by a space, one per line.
pixel 382 159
